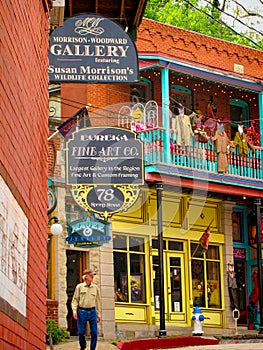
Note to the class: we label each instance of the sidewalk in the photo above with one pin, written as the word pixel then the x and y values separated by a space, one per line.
pixel 73 344
pixel 227 346
pixel 232 344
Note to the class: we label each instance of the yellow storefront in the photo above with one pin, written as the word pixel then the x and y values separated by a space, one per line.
pixel 191 277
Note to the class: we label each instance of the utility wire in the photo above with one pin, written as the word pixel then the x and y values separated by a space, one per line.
pixel 223 23
pixel 235 18
pixel 220 22
pixel 100 115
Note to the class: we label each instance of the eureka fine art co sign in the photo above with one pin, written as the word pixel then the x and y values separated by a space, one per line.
pixel 104 166
pixel 92 49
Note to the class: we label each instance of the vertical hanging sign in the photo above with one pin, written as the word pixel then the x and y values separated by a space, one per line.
pixel 92 49
pixel 105 168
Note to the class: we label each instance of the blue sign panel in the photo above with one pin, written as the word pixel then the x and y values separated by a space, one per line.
pixel 89 233
pixel 92 49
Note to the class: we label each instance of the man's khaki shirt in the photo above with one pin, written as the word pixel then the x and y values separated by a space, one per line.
pixel 86 296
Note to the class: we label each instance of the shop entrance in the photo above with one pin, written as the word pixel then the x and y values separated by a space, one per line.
pixel 240 269
pixel 77 262
pixel 174 286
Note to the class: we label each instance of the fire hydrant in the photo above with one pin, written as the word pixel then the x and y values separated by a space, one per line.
pixel 198 318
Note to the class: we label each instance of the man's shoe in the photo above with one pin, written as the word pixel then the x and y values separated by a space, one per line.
pixel 82 348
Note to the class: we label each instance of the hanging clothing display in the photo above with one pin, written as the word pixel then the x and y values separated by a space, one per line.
pixel 242 144
pixel 210 125
pixel 222 143
pixel 183 130
pixel 253 136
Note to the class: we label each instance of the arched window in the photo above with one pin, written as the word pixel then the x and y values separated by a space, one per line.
pixel 180 95
pixel 142 91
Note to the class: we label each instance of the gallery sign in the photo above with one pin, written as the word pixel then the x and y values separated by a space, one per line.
pixel 104 155
pixel 90 48
pixel 105 167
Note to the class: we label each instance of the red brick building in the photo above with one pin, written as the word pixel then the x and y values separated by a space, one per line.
pixel 23 173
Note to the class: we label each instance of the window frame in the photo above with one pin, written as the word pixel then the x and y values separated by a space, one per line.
pixel 129 277
pixel 199 283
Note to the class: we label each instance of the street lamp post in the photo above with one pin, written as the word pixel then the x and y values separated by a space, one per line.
pixel 159 189
pixel 56 228
pixel 257 203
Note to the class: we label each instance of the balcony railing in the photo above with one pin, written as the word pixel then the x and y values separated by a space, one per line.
pixel 200 157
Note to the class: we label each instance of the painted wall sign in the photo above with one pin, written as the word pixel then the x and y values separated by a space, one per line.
pixel 89 233
pixel 105 156
pixel 13 252
pixel 92 49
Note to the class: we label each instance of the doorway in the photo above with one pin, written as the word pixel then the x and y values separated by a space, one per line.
pixel 241 270
pixel 174 286
pixel 77 262
pixel 175 283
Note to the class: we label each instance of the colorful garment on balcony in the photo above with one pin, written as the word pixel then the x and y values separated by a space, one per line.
pixel 222 143
pixel 241 142
pixel 183 130
pixel 210 125
pixel 253 137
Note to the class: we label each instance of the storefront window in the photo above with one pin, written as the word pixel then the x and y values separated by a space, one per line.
pixel 206 277
pixel 129 269
pixel 237 226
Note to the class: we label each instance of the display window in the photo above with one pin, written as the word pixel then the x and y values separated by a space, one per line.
pixel 129 269
pixel 206 284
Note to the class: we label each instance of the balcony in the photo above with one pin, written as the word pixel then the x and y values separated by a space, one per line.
pixel 199 161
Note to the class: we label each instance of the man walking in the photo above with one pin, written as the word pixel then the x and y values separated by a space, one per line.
pixel 86 307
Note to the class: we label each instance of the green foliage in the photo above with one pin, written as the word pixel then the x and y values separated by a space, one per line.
pixel 204 19
pixel 58 334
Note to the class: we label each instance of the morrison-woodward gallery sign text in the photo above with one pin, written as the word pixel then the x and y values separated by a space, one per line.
pixel 92 49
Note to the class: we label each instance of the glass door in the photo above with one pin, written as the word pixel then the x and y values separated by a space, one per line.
pixel 176 285
pixel 240 270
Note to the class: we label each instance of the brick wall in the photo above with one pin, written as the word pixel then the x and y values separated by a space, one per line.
pixel 52 310
pixel 23 156
pixel 188 46
pixel 105 99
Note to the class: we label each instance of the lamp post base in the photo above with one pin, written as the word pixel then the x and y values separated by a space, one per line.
pixel 162 333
